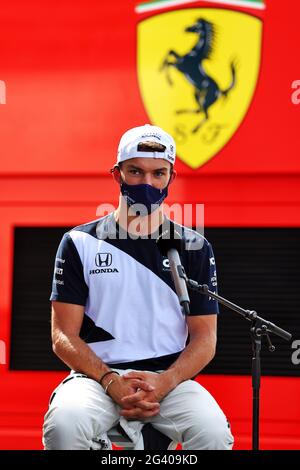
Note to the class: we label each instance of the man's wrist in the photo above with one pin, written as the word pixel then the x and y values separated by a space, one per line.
pixel 170 378
pixel 108 385
pixel 107 377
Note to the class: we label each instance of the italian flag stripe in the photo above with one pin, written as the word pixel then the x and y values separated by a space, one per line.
pixel 160 4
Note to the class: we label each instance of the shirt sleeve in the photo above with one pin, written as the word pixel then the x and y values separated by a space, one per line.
pixel 68 279
pixel 202 268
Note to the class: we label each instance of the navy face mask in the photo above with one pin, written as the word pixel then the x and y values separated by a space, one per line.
pixel 146 197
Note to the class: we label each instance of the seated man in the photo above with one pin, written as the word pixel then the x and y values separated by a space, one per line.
pixel 117 321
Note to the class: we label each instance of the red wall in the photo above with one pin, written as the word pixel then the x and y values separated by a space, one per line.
pixel 71 84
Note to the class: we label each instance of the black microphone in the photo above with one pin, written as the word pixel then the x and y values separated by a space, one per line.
pixel 170 244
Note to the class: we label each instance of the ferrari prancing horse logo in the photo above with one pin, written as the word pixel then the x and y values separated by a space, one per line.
pixel 197 72
pixel 206 90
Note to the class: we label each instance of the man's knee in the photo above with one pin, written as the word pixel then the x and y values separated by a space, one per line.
pixel 215 435
pixel 219 437
pixel 67 427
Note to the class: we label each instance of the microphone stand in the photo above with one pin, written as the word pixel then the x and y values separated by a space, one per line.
pixel 259 328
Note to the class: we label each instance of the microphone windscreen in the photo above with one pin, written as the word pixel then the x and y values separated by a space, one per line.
pixel 170 238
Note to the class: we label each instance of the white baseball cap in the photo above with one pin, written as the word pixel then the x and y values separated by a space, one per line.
pixel 128 146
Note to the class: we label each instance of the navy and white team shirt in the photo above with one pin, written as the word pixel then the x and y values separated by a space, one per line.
pixel 132 317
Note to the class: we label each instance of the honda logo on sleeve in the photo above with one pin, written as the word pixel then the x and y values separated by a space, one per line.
pixel 103 260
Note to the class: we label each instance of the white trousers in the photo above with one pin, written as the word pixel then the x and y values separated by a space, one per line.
pixel 80 413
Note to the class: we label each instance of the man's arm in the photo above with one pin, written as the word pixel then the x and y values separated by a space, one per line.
pixel 68 346
pixel 73 351
pixel 199 352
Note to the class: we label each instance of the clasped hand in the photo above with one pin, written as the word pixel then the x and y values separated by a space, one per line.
pixel 138 394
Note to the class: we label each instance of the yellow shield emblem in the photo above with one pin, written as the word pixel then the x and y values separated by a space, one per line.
pixel 197 73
